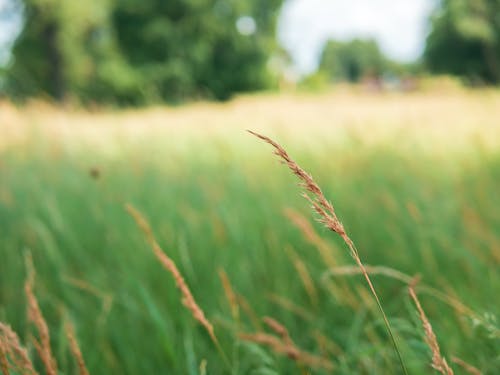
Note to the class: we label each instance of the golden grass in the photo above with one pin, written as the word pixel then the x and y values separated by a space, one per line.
pixel 231 296
pixel 187 297
pixel 282 343
pixel 304 276
pixel 325 250
pixel 466 366
pixel 438 361
pixel 75 348
pixel 4 364
pixel 12 354
pixel 426 117
pixel 328 217
pixel 35 316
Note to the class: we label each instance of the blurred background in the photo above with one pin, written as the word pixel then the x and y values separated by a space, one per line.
pixel 125 52
pixel 393 107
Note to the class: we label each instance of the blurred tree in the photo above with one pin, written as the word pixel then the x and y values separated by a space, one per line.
pixel 62 46
pixel 465 39
pixel 138 52
pixel 352 60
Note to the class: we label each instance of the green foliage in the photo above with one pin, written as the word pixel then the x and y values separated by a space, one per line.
pixel 139 52
pixel 221 206
pixel 316 82
pixel 465 40
pixel 253 360
pixel 353 60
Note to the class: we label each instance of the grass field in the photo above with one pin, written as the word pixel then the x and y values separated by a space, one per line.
pixel 414 178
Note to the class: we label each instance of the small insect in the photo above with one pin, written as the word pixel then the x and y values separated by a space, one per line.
pixel 95 173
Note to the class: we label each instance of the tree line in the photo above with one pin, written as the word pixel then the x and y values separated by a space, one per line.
pixel 133 52
pixel 129 52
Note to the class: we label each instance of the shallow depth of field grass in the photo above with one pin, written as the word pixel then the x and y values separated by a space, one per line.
pixel 414 178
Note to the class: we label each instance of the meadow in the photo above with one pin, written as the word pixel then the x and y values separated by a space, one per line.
pixel 413 177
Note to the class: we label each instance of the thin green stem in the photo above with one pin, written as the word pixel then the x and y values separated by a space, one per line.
pixel 354 251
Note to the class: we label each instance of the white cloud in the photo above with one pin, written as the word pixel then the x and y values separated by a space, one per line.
pixel 398 25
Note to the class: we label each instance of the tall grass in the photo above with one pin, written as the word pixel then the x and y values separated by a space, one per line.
pixel 421 205
pixel 327 217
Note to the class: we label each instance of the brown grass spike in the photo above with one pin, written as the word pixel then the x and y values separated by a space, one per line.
pixel 438 361
pixel 329 219
pixel 75 349
pixel 278 328
pixel 187 298
pixel 285 345
pixel 11 348
pixel 36 317
pixel 231 296
pixel 4 364
pixel 466 366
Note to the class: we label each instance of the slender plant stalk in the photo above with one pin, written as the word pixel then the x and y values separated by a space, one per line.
pixel 4 364
pixel 11 348
pixel 35 316
pixel 75 349
pixel 187 297
pixel 466 366
pixel 328 217
pixel 456 304
pixel 438 361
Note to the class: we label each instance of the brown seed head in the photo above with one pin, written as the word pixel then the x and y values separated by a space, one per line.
pixel 438 361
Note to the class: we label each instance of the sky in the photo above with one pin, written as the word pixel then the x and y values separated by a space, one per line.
pixel 9 28
pixel 399 26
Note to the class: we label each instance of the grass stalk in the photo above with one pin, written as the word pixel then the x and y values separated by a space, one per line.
pixel 328 217
pixel 35 316
pixel 75 349
pixel 11 349
pixel 438 361
pixel 187 297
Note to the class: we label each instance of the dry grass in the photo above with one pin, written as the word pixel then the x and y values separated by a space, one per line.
pixel 427 117
pixel 4 364
pixel 35 316
pixel 466 366
pixel 283 344
pixel 231 296
pixel 75 348
pixel 325 250
pixel 12 354
pixel 328 217
pixel 438 361
pixel 187 297
pixel 304 276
